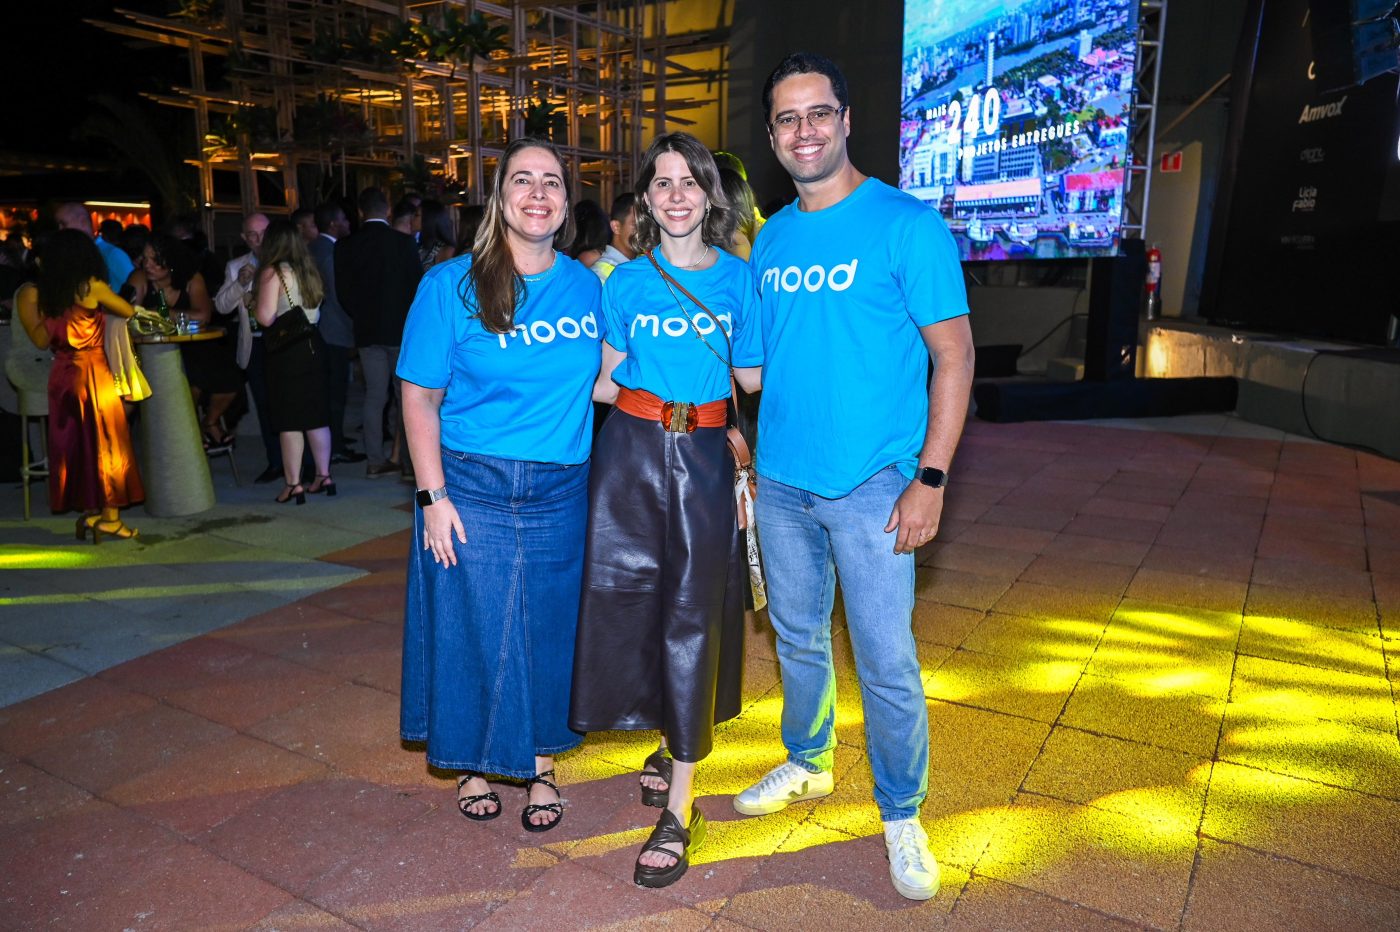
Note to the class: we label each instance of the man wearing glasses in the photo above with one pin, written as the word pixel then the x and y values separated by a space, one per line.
pixel 860 289
pixel 237 297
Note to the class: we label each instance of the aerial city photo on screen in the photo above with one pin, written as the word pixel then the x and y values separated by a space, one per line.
pixel 1016 121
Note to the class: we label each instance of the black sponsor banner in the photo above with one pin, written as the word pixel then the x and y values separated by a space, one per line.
pixel 1309 242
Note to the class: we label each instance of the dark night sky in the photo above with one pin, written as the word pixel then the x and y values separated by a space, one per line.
pixel 53 63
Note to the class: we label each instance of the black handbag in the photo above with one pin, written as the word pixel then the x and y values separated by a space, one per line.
pixel 287 329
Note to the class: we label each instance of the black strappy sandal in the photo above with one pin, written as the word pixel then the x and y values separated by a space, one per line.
pixel 464 802
pixel 532 808
pixel 668 831
pixel 659 763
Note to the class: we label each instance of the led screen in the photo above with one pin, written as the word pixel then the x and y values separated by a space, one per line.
pixel 1015 122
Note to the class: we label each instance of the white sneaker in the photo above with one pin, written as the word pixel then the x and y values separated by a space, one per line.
pixel 784 784
pixel 912 866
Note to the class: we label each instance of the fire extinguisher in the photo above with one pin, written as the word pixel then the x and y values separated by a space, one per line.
pixel 1154 283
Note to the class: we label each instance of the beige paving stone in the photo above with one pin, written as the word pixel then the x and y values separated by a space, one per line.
pixel 1034 639
pixel 955 587
pixel 1167 625
pixel 1036 600
pixel 1311 607
pixel 1162 664
pixel 1158 717
pixel 1034 689
pixel 1292 692
pixel 1136 868
pixel 1356 652
pixel 991 904
pixel 1240 890
pixel 1121 776
pixel 1322 751
pixel 1196 591
pixel 1338 829
pixel 944 624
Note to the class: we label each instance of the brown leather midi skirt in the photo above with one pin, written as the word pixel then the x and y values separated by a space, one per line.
pixel 661 623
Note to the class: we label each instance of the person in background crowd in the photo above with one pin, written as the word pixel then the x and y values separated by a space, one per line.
pixel 661 622
pixel 304 219
pixel 623 224
pixel 237 297
pixel 750 220
pixel 296 374
pixel 405 217
pixel 214 377
pixel 468 222
pixel 74 216
pixel 336 328
pixel 435 242
pixel 133 243
pixel 590 232
pixel 91 465
pixel 376 273
pixel 500 429
pixel 187 229
pixel 110 231
pixel 845 494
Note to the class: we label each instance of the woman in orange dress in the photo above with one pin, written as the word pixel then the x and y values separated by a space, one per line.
pixel 91 466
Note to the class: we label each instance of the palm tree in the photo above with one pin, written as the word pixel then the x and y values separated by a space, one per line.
pixel 141 146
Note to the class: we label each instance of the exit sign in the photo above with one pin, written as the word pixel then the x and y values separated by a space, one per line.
pixel 1171 162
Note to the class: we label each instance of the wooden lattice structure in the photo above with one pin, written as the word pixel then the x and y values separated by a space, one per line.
pixel 298 100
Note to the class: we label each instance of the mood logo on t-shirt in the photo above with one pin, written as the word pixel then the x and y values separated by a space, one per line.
pixel 814 279
pixel 542 331
pixel 678 326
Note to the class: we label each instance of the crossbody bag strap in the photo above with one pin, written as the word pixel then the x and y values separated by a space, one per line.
pixel 736 439
pixel 290 303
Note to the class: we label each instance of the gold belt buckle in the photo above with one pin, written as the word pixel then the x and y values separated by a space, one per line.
pixel 678 417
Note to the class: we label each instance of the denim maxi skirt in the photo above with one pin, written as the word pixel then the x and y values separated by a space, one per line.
pixel 661 628
pixel 489 643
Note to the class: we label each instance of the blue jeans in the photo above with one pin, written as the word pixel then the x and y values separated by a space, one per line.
pixel 488 646
pixel 807 541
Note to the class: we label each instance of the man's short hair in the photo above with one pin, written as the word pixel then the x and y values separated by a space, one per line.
pixel 74 216
pixel 622 206
pixel 404 209
pixel 373 203
pixel 110 230
pixel 805 63
pixel 328 214
pixel 300 214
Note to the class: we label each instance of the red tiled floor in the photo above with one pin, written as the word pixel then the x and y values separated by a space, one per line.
pixel 1153 726
pixel 321 824
pixel 222 681
pixel 127 748
pixel 62 714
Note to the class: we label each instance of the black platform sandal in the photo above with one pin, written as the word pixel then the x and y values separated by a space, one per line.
pixel 658 763
pixel 668 831
pixel 532 808
pixel 465 802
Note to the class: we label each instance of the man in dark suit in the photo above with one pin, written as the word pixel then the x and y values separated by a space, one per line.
pixel 376 275
pixel 336 327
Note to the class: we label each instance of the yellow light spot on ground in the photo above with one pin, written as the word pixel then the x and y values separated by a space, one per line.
pixel 27 558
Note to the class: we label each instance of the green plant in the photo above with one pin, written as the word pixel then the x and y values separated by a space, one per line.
pixel 327 123
pixel 545 119
pixel 141 145
pixel 198 11
pixel 417 176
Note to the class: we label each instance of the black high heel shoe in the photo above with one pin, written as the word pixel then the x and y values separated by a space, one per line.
pixel 322 484
pixel 290 492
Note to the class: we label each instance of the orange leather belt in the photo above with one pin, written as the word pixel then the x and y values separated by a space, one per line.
pixel 680 417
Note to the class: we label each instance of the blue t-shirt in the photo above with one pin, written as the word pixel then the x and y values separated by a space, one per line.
pixel 119 266
pixel 664 356
pixel 525 395
pixel 844 292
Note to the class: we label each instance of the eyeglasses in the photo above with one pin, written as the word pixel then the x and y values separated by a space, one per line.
pixel 816 117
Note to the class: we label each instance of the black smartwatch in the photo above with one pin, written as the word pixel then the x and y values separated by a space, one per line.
pixel 933 478
pixel 426 497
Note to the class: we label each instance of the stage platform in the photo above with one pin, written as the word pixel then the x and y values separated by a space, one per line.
pixel 1342 393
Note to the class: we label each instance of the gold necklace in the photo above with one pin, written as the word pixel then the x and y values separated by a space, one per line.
pixel 696 264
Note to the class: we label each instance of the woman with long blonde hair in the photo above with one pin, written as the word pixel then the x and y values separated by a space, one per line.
pixel 296 373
